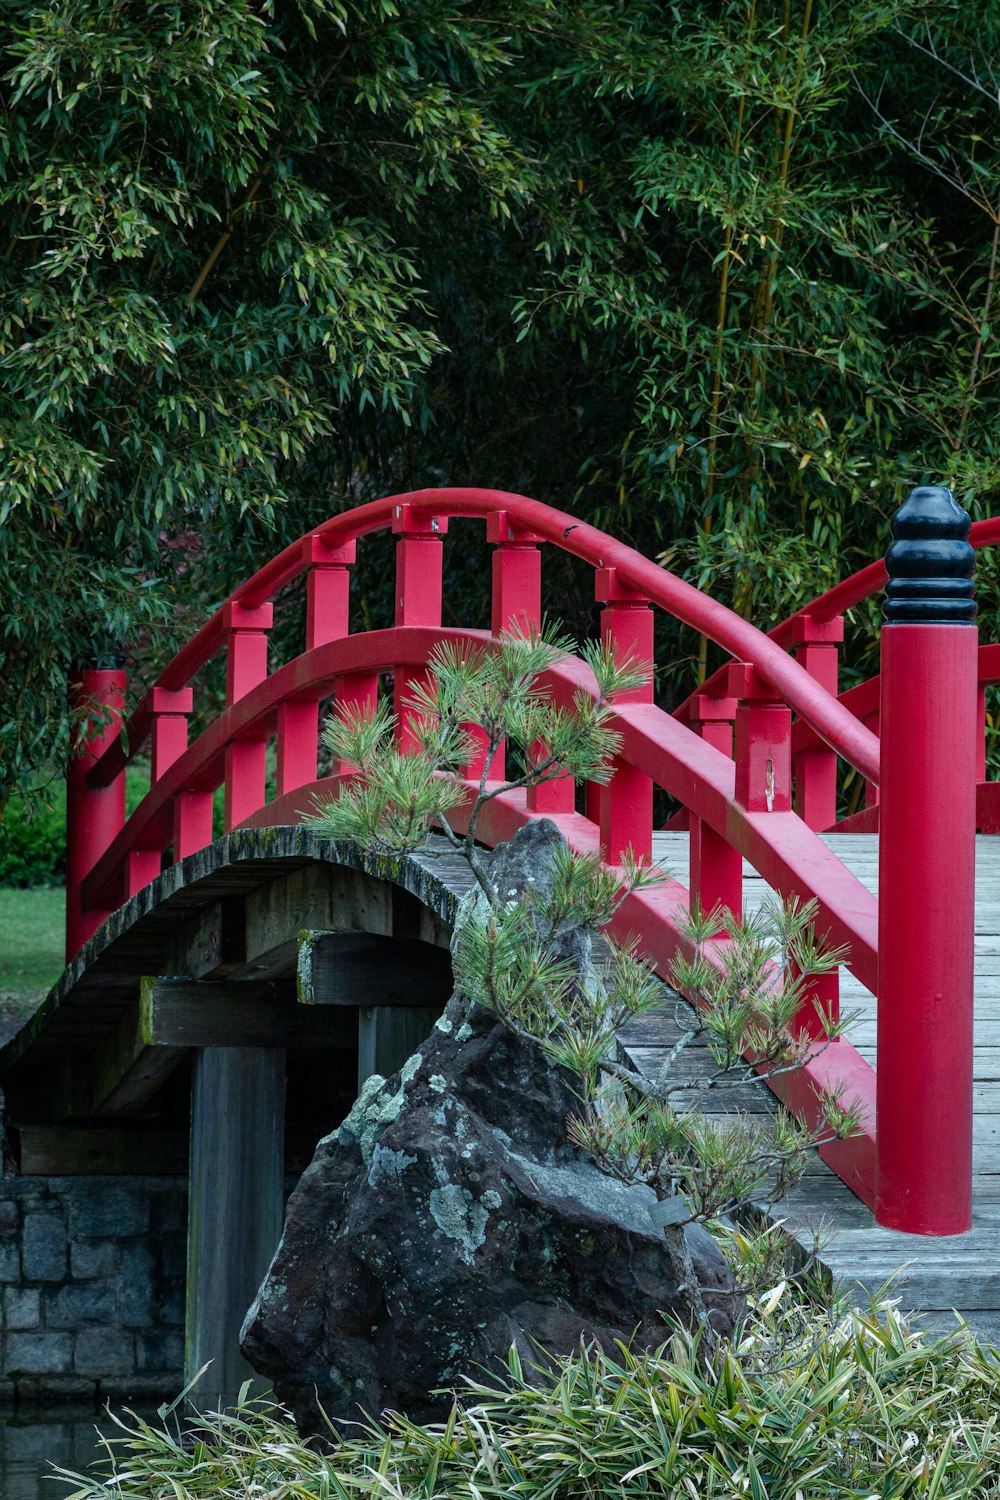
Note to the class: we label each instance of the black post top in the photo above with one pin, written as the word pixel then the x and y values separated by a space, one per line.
pixel 930 562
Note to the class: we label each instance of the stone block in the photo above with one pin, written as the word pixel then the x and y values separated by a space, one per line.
pixel 43 1247
pixel 106 1210
pixel 21 1307
pixel 173 1308
pixel 104 1351
pixel 10 1261
pixel 77 1305
pixel 170 1211
pixel 37 1353
pixel 160 1349
pixel 91 1258
pixel 136 1287
pixel 8 1218
pixel 173 1255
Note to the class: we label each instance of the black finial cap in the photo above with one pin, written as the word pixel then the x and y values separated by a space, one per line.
pixel 930 562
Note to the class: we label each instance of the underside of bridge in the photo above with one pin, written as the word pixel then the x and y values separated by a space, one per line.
pixel 218 1026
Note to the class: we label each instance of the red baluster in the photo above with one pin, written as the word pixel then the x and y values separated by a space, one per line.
pixel 981 734
pixel 626 803
pixel 764 784
pixel 816 769
pixel 94 815
pixel 169 709
pixel 419 558
pixel 517 575
pixel 327 591
pixel 516 604
pixel 716 867
pixel 246 667
pixel 763 743
pixel 872 722
pixel 927 871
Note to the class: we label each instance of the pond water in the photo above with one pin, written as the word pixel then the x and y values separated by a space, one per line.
pixel 38 1436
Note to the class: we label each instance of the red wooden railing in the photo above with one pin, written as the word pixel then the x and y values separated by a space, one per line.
pixel 737 787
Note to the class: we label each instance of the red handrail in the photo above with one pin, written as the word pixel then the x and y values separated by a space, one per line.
pixel 791 683
pixel 843 596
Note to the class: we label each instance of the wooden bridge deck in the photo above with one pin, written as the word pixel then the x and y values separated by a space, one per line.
pixel 960 1272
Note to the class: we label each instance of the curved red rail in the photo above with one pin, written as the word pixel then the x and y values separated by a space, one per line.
pixel 743 641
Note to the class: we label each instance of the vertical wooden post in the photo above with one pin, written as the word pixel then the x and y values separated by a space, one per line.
pixel 419 559
pixel 626 803
pixel 246 666
pixel 327 619
pixel 516 598
pixel 927 857
pixel 763 743
pixel 764 785
pixel 816 769
pixel 235 1206
pixel 388 1035
pixel 94 815
pixel 169 709
pixel 716 867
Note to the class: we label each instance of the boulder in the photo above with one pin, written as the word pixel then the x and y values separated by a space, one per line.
pixel 448 1219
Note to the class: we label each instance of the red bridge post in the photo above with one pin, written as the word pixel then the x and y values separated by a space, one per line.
pixel 927 857
pixel 94 815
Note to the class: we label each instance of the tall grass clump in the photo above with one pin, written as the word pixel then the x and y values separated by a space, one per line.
pixel 803 1404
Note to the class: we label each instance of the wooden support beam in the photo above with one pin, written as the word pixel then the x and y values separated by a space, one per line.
pixel 179 1012
pixel 127 1072
pixel 337 968
pixel 71 1151
pixel 235 1206
pixel 388 1035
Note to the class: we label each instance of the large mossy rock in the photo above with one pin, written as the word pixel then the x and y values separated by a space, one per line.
pixel 448 1219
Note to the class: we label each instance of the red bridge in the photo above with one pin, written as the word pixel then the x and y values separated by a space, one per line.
pixel 752 759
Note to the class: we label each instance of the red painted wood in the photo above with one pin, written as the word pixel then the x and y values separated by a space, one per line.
pixel 927 863
pixel 626 802
pixel 821 999
pixel 716 866
pixel 763 742
pixel 816 770
pixel 516 597
pixel 789 856
pixel 246 667
pixel 94 815
pixel 873 722
pixel 702 613
pixel 169 711
pixel 192 823
pixel 328 583
pixel 419 560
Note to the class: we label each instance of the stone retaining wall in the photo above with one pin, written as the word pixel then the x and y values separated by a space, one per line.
pixel 92 1285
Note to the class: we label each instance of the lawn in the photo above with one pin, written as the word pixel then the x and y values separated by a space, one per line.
pixel 32 935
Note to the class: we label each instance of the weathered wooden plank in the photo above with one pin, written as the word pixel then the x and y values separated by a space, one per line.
pixel 354 969
pixel 316 897
pixel 235 1206
pixel 179 1012
pixel 127 1072
pixel 89 1151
